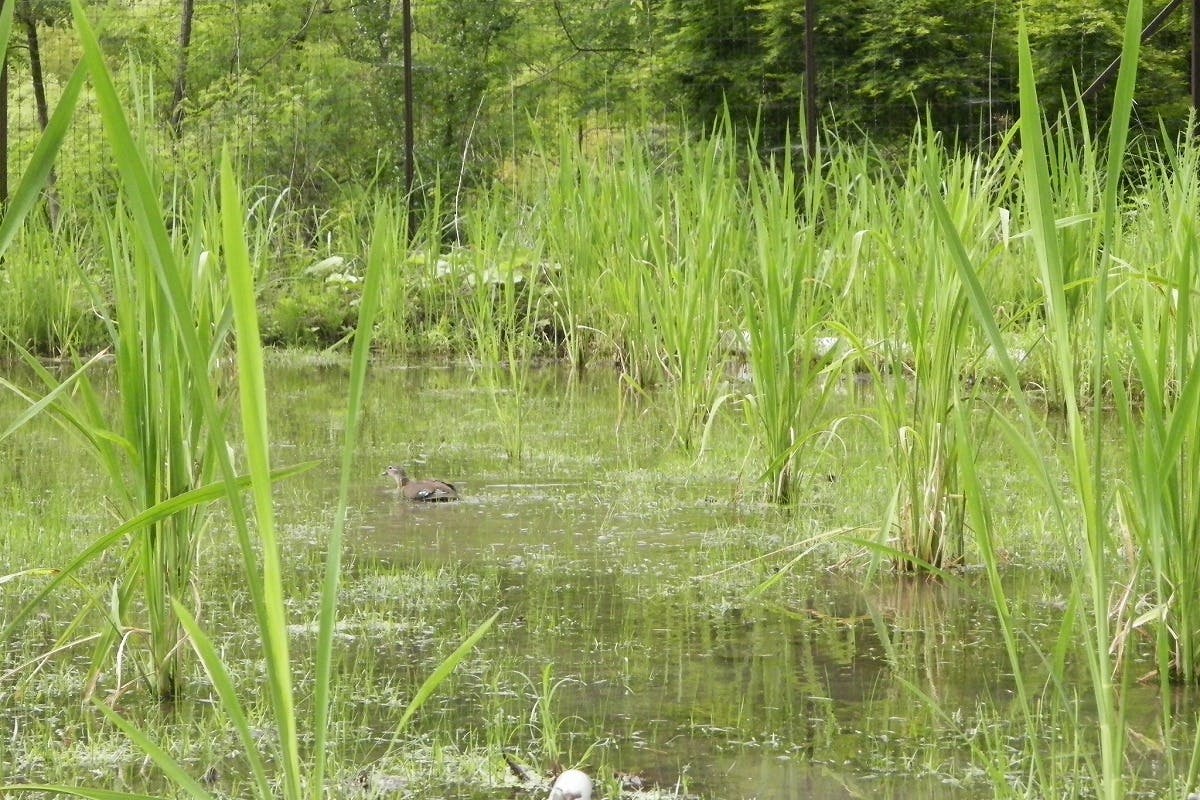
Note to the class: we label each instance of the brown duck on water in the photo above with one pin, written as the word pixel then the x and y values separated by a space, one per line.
pixel 428 491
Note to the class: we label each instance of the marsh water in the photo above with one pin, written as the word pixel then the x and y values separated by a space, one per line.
pixel 630 634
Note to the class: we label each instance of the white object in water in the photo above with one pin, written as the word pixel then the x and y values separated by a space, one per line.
pixel 572 785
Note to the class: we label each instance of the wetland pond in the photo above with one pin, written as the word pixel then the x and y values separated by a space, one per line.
pixel 628 637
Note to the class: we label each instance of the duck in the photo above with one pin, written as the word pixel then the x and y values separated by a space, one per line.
pixel 572 785
pixel 428 491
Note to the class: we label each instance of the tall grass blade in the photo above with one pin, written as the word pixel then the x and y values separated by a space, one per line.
pixel 6 21
pixel 177 774
pixel 253 400
pixel 443 671
pixel 47 401
pixel 41 163
pixel 227 696
pixel 382 254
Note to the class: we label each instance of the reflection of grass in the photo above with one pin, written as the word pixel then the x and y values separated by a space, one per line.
pixel 1079 512
pixel 656 659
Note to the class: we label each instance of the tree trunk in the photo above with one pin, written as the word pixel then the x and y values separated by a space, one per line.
pixel 4 135
pixel 43 110
pixel 180 90
pixel 409 149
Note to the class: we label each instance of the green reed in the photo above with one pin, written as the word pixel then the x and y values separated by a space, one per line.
pixel 608 292
pixel 700 238
pixel 157 446
pixel 1080 513
pixel 647 249
pixel 45 305
pixel 926 331
pixel 504 292
pixel 1158 403
pixel 578 236
pixel 418 303
pixel 787 301
pixel 171 314
pixel 610 222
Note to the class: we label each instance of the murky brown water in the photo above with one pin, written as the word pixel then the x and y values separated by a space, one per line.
pixel 613 558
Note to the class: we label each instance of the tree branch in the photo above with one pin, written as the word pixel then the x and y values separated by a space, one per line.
pixel 562 23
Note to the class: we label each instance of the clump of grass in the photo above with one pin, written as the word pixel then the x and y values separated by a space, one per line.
pixel 698 239
pixel 786 301
pixel 503 291
pixel 1158 405
pixel 167 335
pixel 45 305
pixel 1081 512
pixel 647 249
pixel 297 772
pixel 600 224
pixel 920 386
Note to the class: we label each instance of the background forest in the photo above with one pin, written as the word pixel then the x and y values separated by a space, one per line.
pixel 310 92
pixel 308 97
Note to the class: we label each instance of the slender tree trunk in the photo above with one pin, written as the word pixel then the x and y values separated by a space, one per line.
pixel 179 94
pixel 810 80
pixel 409 148
pixel 4 134
pixel 43 110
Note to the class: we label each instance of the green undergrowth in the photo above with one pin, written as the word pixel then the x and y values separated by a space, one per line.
pixel 591 233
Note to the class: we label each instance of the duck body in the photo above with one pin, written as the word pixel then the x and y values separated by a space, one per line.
pixel 426 491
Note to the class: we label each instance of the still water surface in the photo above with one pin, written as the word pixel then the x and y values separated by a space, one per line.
pixel 623 570
pixel 614 556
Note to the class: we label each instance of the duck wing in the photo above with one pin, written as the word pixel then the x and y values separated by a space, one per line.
pixel 433 491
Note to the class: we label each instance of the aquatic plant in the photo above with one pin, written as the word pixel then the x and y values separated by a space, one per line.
pixel 45 305
pixel 1158 403
pixel 787 301
pixel 1080 515
pixel 918 365
pixel 576 236
pixel 647 247
pixel 167 336
pixel 697 240
pixel 596 220
pixel 504 290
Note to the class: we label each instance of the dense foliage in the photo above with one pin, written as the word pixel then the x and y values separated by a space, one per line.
pixel 312 92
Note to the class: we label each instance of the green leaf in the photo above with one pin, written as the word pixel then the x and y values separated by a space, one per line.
pixel 378 260
pixel 431 683
pixel 33 180
pixel 172 768
pixel 252 393
pixel 227 694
